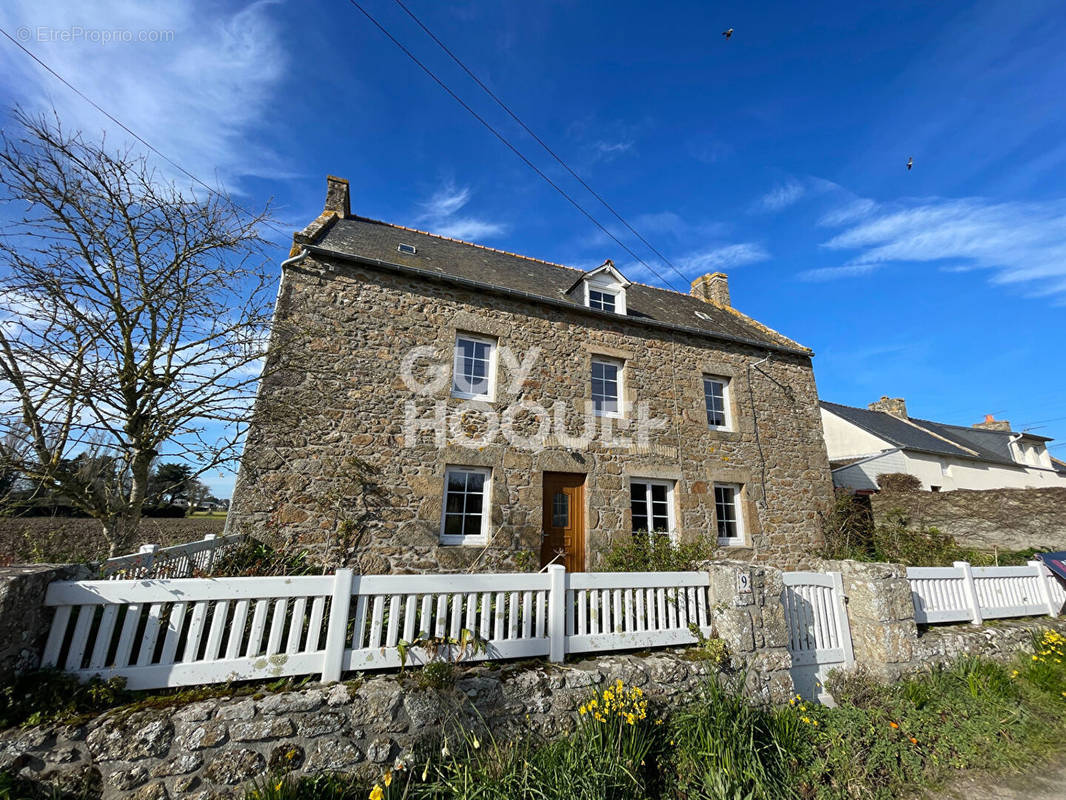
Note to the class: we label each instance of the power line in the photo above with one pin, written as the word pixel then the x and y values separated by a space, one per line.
pixel 122 125
pixel 539 141
pixel 506 141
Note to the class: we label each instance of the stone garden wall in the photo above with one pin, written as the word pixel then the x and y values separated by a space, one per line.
pixel 23 618
pixel 887 641
pixel 209 749
pixel 1008 519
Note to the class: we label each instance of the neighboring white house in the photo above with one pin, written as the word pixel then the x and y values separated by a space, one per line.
pixel 866 442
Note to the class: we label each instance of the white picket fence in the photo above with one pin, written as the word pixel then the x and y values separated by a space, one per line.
pixel 176 561
pixel 964 592
pixel 180 632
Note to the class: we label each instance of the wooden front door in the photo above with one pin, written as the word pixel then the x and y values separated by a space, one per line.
pixel 564 521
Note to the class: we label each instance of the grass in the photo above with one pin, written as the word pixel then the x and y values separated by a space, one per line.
pixel 881 742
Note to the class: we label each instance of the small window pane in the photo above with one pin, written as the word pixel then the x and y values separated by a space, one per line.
pixel 464 503
pixel 605 387
pixel 560 510
pixel 725 506
pixel 604 301
pixel 470 372
pixel 714 395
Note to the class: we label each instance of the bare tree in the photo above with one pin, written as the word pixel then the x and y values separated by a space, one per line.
pixel 133 319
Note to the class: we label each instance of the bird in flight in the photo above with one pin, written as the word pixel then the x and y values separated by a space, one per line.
pixel 728 33
pixel 910 163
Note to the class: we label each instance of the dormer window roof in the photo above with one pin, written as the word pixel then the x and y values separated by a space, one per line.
pixel 602 289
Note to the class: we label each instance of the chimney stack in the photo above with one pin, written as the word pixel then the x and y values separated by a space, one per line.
pixel 713 287
pixel 992 424
pixel 896 406
pixel 337 196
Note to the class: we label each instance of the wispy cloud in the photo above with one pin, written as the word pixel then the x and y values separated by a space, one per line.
pixel 198 86
pixel 1020 243
pixel 725 257
pixel 441 214
pixel 607 151
pixel 781 196
pixel 851 211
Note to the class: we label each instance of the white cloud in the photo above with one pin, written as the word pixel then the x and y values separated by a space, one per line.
pixel 1020 243
pixel 721 258
pixel 197 89
pixel 781 196
pixel 852 211
pixel 608 150
pixel 440 215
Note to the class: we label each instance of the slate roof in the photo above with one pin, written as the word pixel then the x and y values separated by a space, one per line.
pixel 365 238
pixel 896 431
pixel 928 436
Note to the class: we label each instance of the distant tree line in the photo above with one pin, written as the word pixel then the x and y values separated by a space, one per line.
pixel 173 489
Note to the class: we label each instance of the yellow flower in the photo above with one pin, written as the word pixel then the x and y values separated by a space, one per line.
pixel 387 777
pixel 377 793
pixel 815 723
pixel 278 785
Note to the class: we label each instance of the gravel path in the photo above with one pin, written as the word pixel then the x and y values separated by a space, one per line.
pixel 1047 782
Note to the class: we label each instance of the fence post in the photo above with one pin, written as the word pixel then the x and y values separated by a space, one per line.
pixel 210 562
pixel 556 613
pixel 1043 577
pixel 148 552
pixel 337 627
pixel 969 588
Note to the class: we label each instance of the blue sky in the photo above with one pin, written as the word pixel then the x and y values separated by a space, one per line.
pixel 777 156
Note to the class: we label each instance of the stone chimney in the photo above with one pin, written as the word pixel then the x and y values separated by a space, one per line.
pixel 896 406
pixel 713 287
pixel 337 198
pixel 992 424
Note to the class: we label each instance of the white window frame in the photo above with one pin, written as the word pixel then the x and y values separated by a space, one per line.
pixel 740 540
pixel 620 399
pixel 482 538
pixel 671 512
pixel 727 401
pixel 492 343
pixel 613 294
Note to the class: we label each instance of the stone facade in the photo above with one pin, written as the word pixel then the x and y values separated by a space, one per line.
pixel 342 459
pixel 213 748
pixel 1004 519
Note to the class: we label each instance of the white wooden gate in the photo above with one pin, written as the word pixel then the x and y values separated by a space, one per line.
pixel 819 637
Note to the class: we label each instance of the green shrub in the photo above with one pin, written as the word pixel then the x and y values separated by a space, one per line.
pixel 643 552
pixel 437 675
pixel 253 558
pixel 898 482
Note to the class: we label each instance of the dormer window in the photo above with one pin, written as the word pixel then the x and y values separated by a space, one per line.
pixel 601 300
pixel 601 289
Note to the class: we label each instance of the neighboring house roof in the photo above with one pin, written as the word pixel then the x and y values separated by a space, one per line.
pixel 896 431
pixel 929 437
pixel 377 242
pixel 1058 465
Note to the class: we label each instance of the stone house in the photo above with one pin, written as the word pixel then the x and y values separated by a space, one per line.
pixel 432 404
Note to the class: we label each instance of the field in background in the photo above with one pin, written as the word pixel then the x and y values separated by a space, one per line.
pixel 62 540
